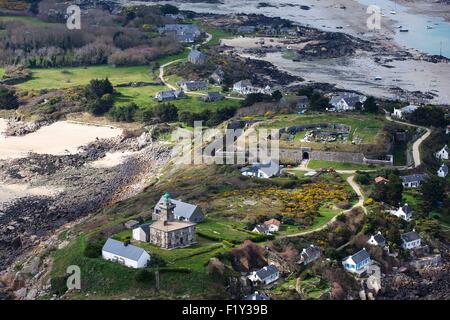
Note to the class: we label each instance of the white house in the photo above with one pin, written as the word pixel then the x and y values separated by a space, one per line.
pixel 357 262
pixel 443 153
pixel 404 212
pixel 265 275
pixel 413 180
pixel 442 171
pixel 309 254
pixel 245 87
pixel 400 113
pixel 262 229
pixel 126 254
pixel 262 170
pixel 273 225
pixel 346 101
pixel 377 240
pixel 410 240
pixel 142 233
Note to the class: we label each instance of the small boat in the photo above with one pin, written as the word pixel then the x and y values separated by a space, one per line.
pixel 393 12
pixel 429 27
pixel 404 30
pixel 378 78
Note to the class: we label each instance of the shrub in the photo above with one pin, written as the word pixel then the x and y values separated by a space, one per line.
pixel 58 285
pixel 8 98
pixel 144 276
pixel 93 248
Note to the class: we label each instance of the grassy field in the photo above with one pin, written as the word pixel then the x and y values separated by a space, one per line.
pixel 366 127
pixel 317 164
pixel 102 278
pixel 56 78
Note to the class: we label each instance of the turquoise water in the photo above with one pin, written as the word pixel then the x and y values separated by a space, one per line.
pixel 418 37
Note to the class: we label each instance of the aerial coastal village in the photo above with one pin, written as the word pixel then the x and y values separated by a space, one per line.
pixel 219 150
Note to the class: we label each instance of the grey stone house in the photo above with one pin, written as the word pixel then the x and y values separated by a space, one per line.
pixel 196 57
pixel 183 211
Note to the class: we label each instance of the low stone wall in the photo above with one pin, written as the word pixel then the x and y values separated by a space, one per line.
pixel 297 155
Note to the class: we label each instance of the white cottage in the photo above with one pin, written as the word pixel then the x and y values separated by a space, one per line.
pixel 262 170
pixel 404 212
pixel 265 275
pixel 442 171
pixel 410 240
pixel 357 262
pixel 377 240
pixel 443 153
pixel 126 254
pixel 402 112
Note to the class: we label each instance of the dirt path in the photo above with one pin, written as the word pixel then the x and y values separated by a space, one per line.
pixel 417 143
pixel 360 203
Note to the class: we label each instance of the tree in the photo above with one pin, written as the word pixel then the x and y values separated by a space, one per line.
pixel 166 112
pixel 8 98
pixel 143 276
pixel 276 95
pixel 169 9
pixel 370 105
pixel 100 106
pixel 394 190
pixel 319 102
pixel 428 116
pixel 124 113
pixel 433 191
pixel 98 88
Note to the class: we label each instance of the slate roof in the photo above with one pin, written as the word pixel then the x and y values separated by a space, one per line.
pixel 182 209
pixel 262 228
pixel 270 168
pixel 195 54
pixel 123 250
pixel 242 84
pixel 444 169
pixel 145 227
pixel 266 272
pixel 379 238
pixel 350 98
pixel 257 296
pixel 410 236
pixel 446 148
pixel 418 177
pixel 409 109
pixel 310 251
pixel 360 256
pixel 212 96
pixel 406 208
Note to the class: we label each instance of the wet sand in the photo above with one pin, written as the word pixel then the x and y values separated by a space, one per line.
pixel 59 138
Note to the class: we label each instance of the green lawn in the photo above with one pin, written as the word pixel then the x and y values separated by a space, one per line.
pixel 217 35
pixel 223 228
pixel 182 55
pixel 25 19
pixel 365 127
pixel 56 78
pixel 317 164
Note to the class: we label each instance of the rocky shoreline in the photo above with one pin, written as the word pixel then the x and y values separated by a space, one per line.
pixel 85 189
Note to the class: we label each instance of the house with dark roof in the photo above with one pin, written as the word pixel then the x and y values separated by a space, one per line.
pixel 297 102
pixel 196 57
pixel 218 76
pixel 265 275
pixel 402 112
pixel 262 229
pixel 410 240
pixel 262 170
pixel 257 296
pixel 169 95
pixel 309 254
pixel 183 211
pixel 443 153
pixel 212 97
pixel 442 171
pixel 357 262
pixel 345 101
pixel 126 254
pixel 413 180
pixel 377 240
pixel 404 212
pixel 192 85
pixel 186 33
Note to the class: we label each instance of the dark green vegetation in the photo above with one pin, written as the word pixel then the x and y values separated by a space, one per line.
pixel 8 98
pixel 182 271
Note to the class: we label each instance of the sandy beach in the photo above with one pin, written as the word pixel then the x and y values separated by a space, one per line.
pixel 59 138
